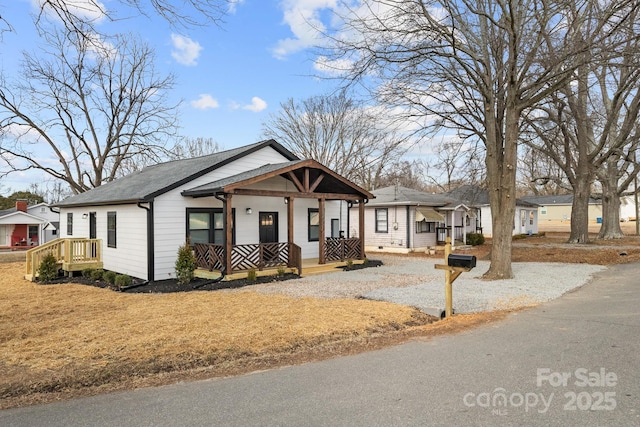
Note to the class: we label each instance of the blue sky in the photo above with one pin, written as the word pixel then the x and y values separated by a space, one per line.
pixel 230 78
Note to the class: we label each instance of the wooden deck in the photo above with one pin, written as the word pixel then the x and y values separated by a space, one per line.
pixel 71 254
pixel 310 267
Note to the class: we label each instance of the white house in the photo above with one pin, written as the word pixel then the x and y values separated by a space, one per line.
pixel 403 220
pixel 526 214
pixel 27 225
pixel 249 207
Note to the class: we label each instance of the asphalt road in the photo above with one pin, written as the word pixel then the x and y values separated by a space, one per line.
pixel 571 362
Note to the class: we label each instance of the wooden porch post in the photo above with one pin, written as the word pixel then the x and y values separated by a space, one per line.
pixel 361 226
pixel 289 219
pixel 227 210
pixel 290 228
pixel 321 257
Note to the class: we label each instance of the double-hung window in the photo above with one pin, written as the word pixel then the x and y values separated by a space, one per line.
pixel 382 220
pixel 313 224
pixel 69 224
pixel 111 229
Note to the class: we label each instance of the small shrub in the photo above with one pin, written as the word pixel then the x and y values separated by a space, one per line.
pixel 48 268
pixel 475 239
pixel 110 277
pixel 365 261
pixel 281 270
pixel 519 236
pixel 123 280
pixel 349 263
pixel 87 272
pixel 185 264
pixel 97 274
pixel 252 275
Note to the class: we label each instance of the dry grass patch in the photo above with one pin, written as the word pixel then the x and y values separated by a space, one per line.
pixel 59 337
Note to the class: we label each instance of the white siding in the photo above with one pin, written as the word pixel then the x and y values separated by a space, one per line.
pixel 130 254
pixel 170 225
pixel 42 211
pixel 170 210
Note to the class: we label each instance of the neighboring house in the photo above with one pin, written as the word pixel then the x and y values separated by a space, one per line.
pixel 627 208
pixel 558 207
pixel 249 207
pixel 403 220
pixel 526 215
pixel 27 225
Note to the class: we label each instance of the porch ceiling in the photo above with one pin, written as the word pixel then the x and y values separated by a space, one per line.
pixel 310 178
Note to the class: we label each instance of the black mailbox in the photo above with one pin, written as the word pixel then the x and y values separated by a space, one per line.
pixel 465 261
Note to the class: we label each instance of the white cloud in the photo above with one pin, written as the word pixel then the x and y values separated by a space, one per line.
pixel 205 102
pixel 233 5
pixel 92 10
pixel 305 20
pixel 331 67
pixel 257 105
pixel 185 50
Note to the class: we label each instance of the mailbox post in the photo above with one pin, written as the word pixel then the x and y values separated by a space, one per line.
pixel 452 269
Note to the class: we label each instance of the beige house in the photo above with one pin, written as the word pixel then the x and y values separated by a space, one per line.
pixel 558 207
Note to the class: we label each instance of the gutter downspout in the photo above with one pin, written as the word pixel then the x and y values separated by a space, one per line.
pixel 409 228
pixel 349 206
pixel 150 242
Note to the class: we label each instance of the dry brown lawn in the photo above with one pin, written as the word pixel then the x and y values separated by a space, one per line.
pixel 62 341
pixel 59 340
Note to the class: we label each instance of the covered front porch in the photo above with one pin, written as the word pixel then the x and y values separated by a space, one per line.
pixel 271 257
pixel 273 188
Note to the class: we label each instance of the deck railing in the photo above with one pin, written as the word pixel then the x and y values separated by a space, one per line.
pixel 246 257
pixel 339 249
pixel 443 232
pixel 66 251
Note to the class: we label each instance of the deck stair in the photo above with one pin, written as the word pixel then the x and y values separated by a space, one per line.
pixel 72 254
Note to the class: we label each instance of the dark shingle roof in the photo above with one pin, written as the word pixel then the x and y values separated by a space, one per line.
pixel 471 194
pixel 393 195
pixel 154 180
pixel 476 196
pixel 7 211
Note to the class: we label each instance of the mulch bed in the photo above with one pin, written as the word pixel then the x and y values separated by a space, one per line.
pixel 369 263
pixel 172 285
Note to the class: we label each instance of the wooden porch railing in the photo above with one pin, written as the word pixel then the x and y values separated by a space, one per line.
pixel 443 232
pixel 340 249
pixel 245 257
pixel 72 254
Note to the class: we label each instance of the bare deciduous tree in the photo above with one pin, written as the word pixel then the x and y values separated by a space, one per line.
pixel 589 127
pixel 81 16
pixel 475 65
pixel 539 175
pixel 84 107
pixel 193 147
pixel 355 141
pixel 404 173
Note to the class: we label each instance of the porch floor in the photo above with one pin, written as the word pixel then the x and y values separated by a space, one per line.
pixel 310 267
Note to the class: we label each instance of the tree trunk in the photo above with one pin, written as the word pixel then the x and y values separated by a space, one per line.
pixel 610 228
pixel 501 173
pixel 580 212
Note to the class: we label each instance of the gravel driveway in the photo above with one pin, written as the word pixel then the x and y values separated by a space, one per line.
pixel 415 282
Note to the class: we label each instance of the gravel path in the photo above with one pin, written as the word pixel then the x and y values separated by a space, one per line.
pixel 415 282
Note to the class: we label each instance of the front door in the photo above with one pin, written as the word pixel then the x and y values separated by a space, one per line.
pixel 268 227
pixel 92 232
pixel 92 225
